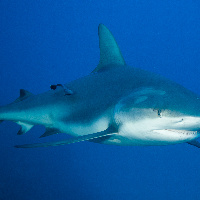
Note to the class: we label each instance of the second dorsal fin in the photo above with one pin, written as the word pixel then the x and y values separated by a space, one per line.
pixel 110 53
pixel 23 95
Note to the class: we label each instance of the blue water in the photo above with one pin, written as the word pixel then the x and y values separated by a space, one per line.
pixel 50 42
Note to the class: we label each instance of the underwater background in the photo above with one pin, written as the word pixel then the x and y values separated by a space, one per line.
pixel 49 42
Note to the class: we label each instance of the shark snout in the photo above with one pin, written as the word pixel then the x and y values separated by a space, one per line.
pixel 191 123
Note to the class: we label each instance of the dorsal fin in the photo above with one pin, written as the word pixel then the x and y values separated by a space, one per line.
pixel 23 95
pixel 109 51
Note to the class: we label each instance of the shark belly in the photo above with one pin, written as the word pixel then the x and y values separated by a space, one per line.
pixel 80 129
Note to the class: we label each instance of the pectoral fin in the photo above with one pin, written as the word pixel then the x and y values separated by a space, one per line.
pixel 109 131
pixel 194 143
pixel 49 132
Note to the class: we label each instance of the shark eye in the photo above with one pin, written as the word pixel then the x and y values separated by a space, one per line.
pixel 159 112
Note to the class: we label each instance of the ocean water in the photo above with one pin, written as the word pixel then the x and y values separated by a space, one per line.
pixel 50 42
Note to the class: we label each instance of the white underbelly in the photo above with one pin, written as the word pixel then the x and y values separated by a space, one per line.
pixel 158 137
pixel 79 129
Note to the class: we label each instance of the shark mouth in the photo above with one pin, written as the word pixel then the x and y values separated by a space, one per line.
pixel 176 136
pixel 184 132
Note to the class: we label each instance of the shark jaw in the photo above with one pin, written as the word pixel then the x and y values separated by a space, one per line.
pixel 155 132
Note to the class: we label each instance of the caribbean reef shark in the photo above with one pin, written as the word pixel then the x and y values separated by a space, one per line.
pixel 115 104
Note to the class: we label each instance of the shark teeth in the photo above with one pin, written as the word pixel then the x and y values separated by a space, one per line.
pixel 183 131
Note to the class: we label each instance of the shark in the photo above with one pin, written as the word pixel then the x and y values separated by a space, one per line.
pixel 115 105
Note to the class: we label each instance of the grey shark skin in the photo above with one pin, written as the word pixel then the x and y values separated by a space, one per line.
pixel 115 104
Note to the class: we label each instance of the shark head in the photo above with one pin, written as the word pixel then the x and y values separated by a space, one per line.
pixel 153 115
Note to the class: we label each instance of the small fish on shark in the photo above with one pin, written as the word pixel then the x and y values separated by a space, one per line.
pixel 115 104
